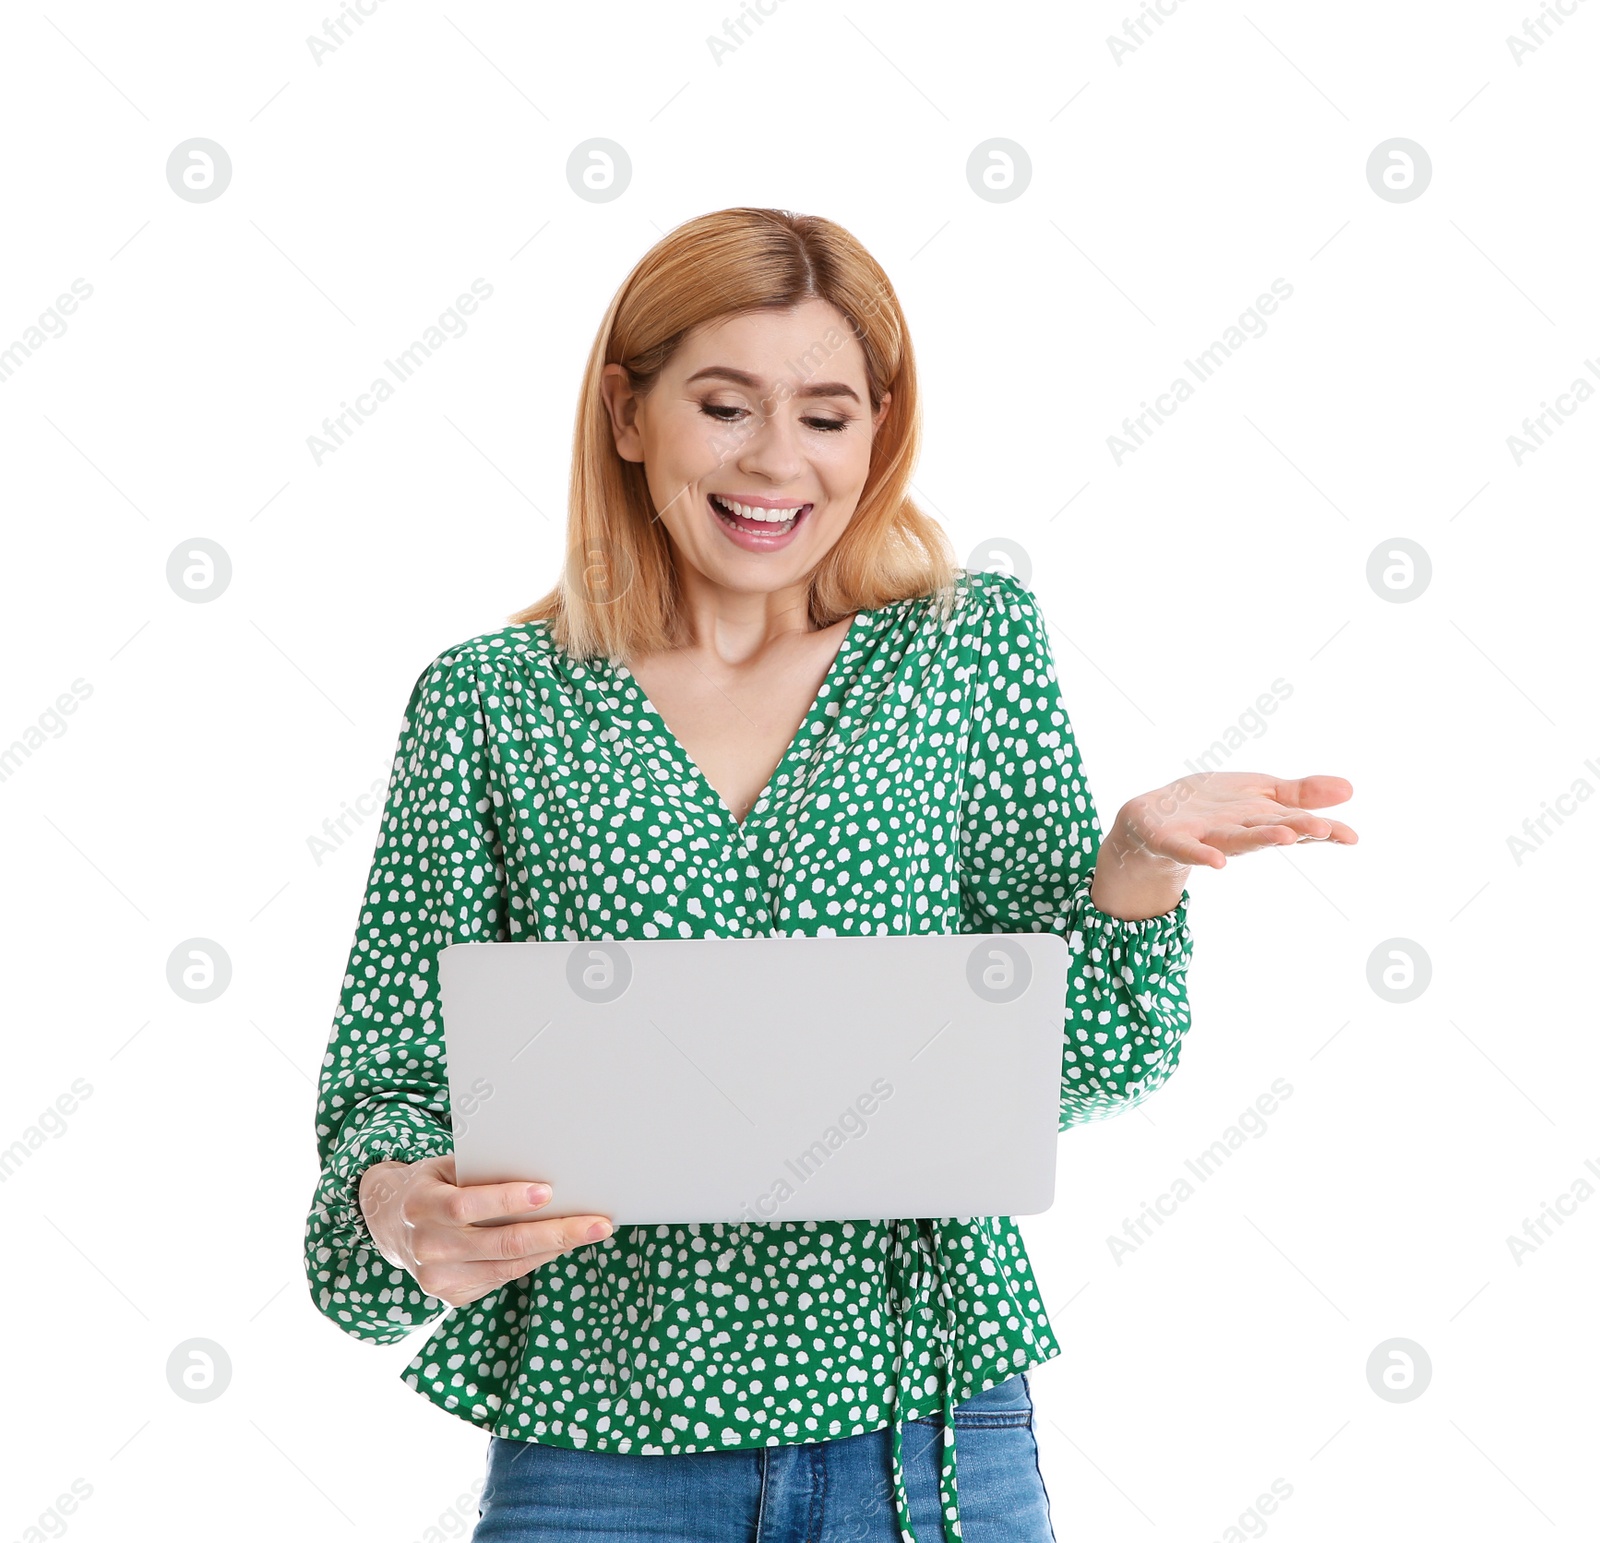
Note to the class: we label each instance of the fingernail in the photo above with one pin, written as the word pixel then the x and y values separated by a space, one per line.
pixel 598 1231
pixel 538 1194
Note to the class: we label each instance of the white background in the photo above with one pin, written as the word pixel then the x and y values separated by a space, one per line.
pixel 1232 549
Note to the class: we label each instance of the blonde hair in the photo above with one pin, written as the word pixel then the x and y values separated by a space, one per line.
pixel 618 594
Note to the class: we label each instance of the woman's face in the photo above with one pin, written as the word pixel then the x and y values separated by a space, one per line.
pixel 767 410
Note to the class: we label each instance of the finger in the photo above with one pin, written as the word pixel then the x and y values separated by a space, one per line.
pixel 1188 850
pixel 1302 821
pixel 1236 840
pixel 1312 792
pixel 1311 827
pixel 472 1281
pixel 512 1268
pixel 555 1236
pixel 1338 832
pixel 465 1205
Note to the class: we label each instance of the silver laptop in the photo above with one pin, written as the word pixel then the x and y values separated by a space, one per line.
pixel 769 1079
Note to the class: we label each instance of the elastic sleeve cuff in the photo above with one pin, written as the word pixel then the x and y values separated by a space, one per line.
pixel 1165 934
pixel 395 1132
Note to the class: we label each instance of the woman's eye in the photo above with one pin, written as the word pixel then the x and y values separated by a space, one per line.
pixel 724 414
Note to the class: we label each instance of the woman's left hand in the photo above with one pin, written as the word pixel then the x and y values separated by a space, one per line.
pixel 1205 819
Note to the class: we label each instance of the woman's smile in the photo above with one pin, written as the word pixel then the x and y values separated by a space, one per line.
pixel 756 522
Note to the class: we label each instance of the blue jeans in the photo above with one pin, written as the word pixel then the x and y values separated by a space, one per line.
pixel 816 1492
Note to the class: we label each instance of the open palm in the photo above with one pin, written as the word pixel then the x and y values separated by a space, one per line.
pixel 1204 819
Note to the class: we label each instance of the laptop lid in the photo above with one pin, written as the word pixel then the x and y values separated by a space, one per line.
pixel 760 1079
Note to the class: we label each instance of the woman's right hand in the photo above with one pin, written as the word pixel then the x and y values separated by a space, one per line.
pixel 423 1221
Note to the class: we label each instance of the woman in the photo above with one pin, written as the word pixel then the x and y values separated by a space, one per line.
pixel 764 700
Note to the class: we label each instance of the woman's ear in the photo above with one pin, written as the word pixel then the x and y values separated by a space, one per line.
pixel 882 412
pixel 623 407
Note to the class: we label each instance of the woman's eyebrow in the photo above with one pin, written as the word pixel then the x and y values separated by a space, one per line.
pixel 744 378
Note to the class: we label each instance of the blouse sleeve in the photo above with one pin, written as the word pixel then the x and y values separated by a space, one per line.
pixel 437 877
pixel 1029 840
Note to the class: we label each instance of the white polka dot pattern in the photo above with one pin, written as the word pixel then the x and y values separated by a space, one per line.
pixel 934 786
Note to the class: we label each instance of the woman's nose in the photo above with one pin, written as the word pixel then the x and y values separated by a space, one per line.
pixel 772 450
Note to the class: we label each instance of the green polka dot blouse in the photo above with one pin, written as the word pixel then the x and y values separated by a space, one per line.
pixel 934 786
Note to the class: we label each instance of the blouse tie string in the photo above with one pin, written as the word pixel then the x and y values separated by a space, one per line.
pixel 905 1282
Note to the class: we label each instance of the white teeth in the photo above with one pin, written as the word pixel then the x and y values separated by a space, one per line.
pixel 766 516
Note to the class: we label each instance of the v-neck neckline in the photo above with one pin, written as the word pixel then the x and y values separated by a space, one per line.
pixel 804 735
